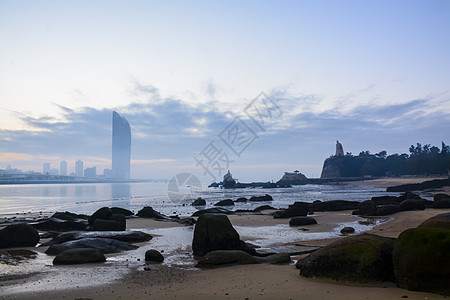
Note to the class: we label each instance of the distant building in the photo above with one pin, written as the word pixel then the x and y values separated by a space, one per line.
pixel 54 171
pixel 63 168
pixel 121 147
pixel 107 173
pixel 46 168
pixel 90 172
pixel 79 168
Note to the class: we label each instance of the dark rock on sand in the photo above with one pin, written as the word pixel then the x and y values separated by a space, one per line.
pixel 440 221
pixel 215 232
pixel 266 197
pixel 422 260
pixel 441 196
pixel 79 256
pixel 386 200
pixel 264 207
pixel 124 236
pixel 55 224
pixel 226 202
pixel 347 230
pixel 102 244
pixel 153 255
pixel 149 212
pixel 103 213
pixel 199 202
pixel 213 210
pixel 295 210
pixel 68 216
pixel 301 221
pixel 107 225
pixel 361 258
pixel 412 204
pixel 241 199
pixel 18 235
pixel 442 203
pixel 385 210
pixel 121 211
pixel 334 205
pixel 239 257
pixel 366 208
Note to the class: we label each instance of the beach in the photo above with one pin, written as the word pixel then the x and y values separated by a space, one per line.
pixel 127 276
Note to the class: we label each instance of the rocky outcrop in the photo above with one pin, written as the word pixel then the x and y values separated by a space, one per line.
pixel 104 219
pixel 123 236
pixel 361 258
pixel 18 235
pixel 334 205
pixel 153 255
pixel 430 184
pixel 333 167
pixel 266 197
pixel 302 221
pixel 215 232
pixel 226 202
pixel 294 178
pixel 239 257
pixel 104 245
pixel 422 260
pixel 149 212
pixel 79 256
pixel 297 209
pixel 55 224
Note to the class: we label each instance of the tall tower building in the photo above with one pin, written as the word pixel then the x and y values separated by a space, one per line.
pixel 46 168
pixel 63 168
pixel 79 168
pixel 121 147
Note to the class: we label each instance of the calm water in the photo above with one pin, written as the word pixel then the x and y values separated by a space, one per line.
pixel 87 198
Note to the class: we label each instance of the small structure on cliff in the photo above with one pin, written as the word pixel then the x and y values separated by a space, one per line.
pixel 294 178
pixel 339 149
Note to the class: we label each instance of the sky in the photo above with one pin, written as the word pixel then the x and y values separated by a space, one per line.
pixel 257 87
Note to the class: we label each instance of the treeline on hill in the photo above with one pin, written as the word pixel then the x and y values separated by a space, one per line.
pixel 421 160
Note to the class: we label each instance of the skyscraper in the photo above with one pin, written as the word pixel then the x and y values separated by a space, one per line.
pixel 79 168
pixel 46 168
pixel 121 147
pixel 63 168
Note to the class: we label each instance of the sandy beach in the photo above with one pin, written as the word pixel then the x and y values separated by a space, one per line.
pixel 126 276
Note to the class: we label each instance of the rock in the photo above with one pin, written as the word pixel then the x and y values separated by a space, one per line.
pixel 107 225
pixel 121 211
pixel 294 178
pixel 430 184
pixel 295 210
pixel 102 244
pixel 124 236
pixel 103 213
pixel 366 208
pixel 442 203
pixel 121 219
pixel 440 221
pixel 385 210
pixel 239 257
pixel 79 256
pixel 302 221
pixel 347 230
pixel 68 216
pixel 18 235
pixel 421 259
pixel 226 202
pixel 241 199
pixel 215 232
pixel 411 204
pixel 360 258
pixel 261 198
pixel 212 210
pixel 16 256
pixel 440 196
pixel 149 212
pixel 408 195
pixel 199 202
pixel 264 207
pixel 334 205
pixel 385 200
pixel 154 256
pixel 55 224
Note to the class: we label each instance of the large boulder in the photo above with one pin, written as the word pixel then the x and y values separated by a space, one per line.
pixel 213 210
pixel 103 213
pixel 386 200
pixel 361 258
pixel 439 221
pixel 68 216
pixel 215 232
pixel 442 203
pixel 239 257
pixel 199 202
pixel 18 235
pixel 107 225
pixel 149 212
pixel 388 209
pixel 226 202
pixel 421 259
pixel 441 196
pixel 55 224
pixel 266 197
pixel 79 256
pixel 302 221
pixel 104 245
pixel 412 204
pixel 294 210
pixel 153 255
pixel 366 208
pixel 334 205
pixel 121 211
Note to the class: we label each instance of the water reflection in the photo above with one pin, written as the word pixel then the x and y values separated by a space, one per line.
pixel 63 191
pixel 79 191
pixel 120 193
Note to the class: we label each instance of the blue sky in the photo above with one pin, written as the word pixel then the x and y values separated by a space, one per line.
pixel 373 74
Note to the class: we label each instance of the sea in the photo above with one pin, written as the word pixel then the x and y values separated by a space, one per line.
pixel 86 198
